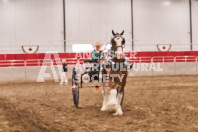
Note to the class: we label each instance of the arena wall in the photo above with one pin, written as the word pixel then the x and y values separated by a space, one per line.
pixel 31 73
pixel 15 67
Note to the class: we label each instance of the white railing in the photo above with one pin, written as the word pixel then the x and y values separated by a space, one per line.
pixel 171 68
pixel 73 61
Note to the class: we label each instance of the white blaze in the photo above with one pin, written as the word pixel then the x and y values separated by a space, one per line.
pixel 119 52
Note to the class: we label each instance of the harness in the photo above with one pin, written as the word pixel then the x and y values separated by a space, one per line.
pixel 110 56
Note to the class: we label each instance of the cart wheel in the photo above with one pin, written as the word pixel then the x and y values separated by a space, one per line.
pixel 75 92
pixel 122 96
pixel 75 89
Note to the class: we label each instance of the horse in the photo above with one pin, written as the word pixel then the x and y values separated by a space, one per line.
pixel 117 76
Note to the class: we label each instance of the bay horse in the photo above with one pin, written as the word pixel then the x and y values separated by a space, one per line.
pixel 117 76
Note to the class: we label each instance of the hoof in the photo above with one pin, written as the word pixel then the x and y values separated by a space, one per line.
pixel 118 112
pixel 112 107
pixel 104 108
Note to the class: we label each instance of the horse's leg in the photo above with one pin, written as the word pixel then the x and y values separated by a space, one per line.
pixel 112 102
pixel 120 96
pixel 104 93
pixel 119 99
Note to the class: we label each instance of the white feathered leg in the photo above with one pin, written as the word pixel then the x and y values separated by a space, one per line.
pixel 104 93
pixel 112 102
pixel 119 109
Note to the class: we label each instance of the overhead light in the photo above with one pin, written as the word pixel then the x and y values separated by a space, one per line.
pixel 82 48
pixel 167 3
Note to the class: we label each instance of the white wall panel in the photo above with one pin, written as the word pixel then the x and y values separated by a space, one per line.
pixel 40 22
pixel 161 22
pixel 195 24
pixel 32 72
pixel 31 22
pixel 88 21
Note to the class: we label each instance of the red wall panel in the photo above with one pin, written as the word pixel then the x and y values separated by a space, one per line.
pixel 75 56
pixel 2 57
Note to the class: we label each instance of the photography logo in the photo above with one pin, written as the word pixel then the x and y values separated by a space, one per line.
pixel 106 65
pixel 49 62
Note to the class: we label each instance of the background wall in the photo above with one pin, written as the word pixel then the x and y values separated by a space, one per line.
pixel 161 22
pixel 40 22
pixel 194 24
pixel 92 20
pixel 31 22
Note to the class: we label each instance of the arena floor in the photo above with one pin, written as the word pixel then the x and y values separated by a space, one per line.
pixel 168 103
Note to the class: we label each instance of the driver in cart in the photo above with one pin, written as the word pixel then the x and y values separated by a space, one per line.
pixel 97 57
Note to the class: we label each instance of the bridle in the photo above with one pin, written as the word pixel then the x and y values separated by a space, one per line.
pixel 113 48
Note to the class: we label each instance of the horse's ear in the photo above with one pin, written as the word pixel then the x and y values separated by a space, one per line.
pixel 113 33
pixel 122 32
pixel 123 41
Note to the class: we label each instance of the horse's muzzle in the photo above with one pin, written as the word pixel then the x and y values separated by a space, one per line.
pixel 119 55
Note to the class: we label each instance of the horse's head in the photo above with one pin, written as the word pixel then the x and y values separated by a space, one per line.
pixel 118 44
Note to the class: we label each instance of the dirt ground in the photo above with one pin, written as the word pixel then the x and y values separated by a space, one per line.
pixel 153 104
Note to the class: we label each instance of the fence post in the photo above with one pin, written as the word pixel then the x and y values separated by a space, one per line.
pixel 150 63
pixel 174 65
pixel 25 64
pixel 196 65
